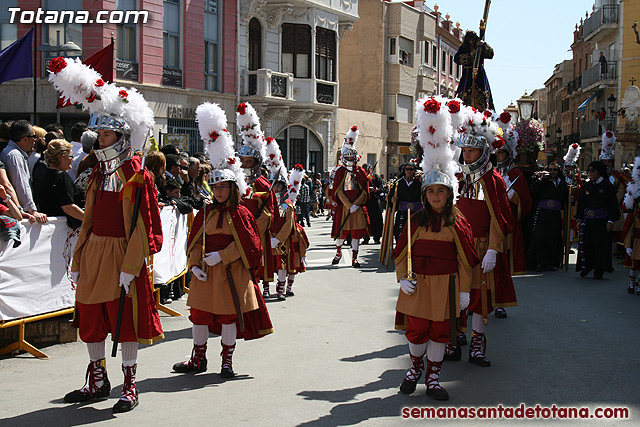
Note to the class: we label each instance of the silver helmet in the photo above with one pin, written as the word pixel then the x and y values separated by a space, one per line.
pixel 221 175
pixel 251 173
pixel 436 177
pixel 474 141
pixel 113 156
pixel 349 156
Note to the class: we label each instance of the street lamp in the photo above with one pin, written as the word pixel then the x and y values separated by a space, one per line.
pixel 611 103
pixel 513 111
pixel 525 106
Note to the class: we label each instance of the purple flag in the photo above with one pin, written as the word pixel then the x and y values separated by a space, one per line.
pixel 16 59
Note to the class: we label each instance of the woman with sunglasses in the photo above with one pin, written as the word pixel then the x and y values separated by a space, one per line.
pixel 597 211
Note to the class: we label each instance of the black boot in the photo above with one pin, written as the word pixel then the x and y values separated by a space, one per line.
pixel 96 372
pixel 408 386
pixel 477 350
pixel 129 396
pixel 197 362
pixel 227 361
pixel 434 389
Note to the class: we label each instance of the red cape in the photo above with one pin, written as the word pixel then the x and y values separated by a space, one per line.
pixel 517 257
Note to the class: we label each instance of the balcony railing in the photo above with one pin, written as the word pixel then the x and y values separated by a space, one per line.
pixel 607 14
pixel 325 93
pixel 598 73
pixel 595 128
pixel 268 83
pixel 574 85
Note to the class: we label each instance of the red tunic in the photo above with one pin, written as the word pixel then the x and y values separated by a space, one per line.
pixel 358 224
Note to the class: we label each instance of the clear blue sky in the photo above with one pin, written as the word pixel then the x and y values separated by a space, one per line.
pixel 528 37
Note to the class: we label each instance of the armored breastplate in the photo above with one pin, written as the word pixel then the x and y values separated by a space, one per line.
pixel 470 185
pixel 350 182
pixel 108 178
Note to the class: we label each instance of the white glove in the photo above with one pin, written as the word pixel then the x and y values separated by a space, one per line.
pixel 354 208
pixel 510 193
pixel 212 258
pixel 74 275
pixel 201 275
pixel 489 261
pixel 629 252
pixel 125 280
pixel 407 286
pixel 464 300
pixel 303 260
pixel 274 242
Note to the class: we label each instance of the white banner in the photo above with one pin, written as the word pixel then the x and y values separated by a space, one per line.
pixel 172 259
pixel 33 276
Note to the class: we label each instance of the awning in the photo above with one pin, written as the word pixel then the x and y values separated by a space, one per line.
pixel 583 106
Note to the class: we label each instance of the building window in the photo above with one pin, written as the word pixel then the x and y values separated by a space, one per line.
pixel 211 45
pixel 126 34
pixel 171 34
pixel 392 49
pixel 255 44
pixel 8 32
pixel 404 108
pixel 391 107
pixel 451 65
pixel 210 65
pixel 371 159
pixel 59 34
pixel 444 62
pixel 434 56
pixel 325 54
pixel 296 50
pixel 426 53
pixel 405 51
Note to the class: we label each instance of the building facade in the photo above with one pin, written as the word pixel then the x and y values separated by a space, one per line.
pixel 397 53
pixel 288 70
pixel 556 92
pixel 182 54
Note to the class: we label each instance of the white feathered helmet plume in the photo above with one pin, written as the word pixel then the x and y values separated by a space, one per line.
pixel 608 146
pixel 275 164
pixel 435 133
pixel 511 137
pixel 349 145
pixel 295 180
pixel 252 136
pixel 633 189
pixel 212 124
pixel 504 121
pixel 573 152
pixel 112 107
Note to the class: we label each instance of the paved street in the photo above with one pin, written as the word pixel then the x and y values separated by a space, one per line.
pixel 335 359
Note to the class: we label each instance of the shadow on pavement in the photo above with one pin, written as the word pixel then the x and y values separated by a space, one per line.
pixel 68 415
pixel 387 353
